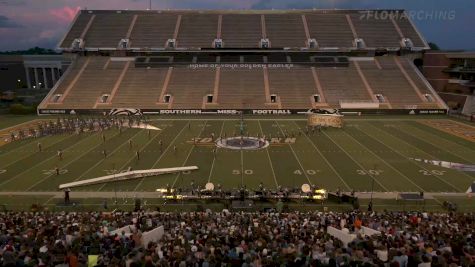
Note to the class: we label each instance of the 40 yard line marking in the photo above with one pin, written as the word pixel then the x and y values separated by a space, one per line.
pixel 188 156
pixel 214 157
pixel 324 158
pixel 159 158
pixel 295 155
pixel 268 157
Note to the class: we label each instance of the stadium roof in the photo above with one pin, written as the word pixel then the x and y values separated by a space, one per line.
pixel 278 29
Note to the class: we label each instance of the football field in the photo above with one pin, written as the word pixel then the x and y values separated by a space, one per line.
pixel 350 158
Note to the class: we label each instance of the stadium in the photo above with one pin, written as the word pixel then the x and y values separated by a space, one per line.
pixel 166 124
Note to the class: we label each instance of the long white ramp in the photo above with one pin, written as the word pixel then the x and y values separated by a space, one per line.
pixel 127 176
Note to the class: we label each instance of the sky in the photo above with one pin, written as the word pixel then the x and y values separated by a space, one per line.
pixel 29 23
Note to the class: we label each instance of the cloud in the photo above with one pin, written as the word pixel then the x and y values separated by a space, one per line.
pixel 5 22
pixel 64 14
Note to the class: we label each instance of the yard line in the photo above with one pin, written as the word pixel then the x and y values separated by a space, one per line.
pixel 74 160
pixel 112 153
pixel 214 157
pixel 419 138
pixel 159 158
pixel 268 157
pixel 385 162
pixel 43 161
pixel 188 156
pixel 295 155
pixel 415 162
pixel 132 158
pixel 67 136
pixel 357 163
pixel 324 158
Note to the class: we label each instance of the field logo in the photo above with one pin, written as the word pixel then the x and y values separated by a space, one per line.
pixel 125 111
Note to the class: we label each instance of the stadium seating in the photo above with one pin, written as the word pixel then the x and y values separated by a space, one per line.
pixel 189 92
pixel 294 87
pixel 241 31
pixel 330 30
pixel 285 30
pixel 376 32
pixel 241 88
pixel 153 30
pixel 342 84
pixel 197 30
pixel 409 31
pixel 140 87
pixel 108 29
pixel 76 29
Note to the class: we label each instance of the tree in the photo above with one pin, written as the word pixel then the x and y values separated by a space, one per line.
pixel 433 46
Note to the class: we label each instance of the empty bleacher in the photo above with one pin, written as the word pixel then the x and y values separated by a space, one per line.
pixel 108 29
pixel 409 31
pixel 295 87
pixel 140 87
pixel 241 31
pixel 197 30
pixel 153 30
pixel 241 88
pixel 189 86
pixel 330 30
pixel 73 70
pixel 376 32
pixel 342 84
pixel 94 81
pixel 76 29
pixel 390 82
pixel 285 30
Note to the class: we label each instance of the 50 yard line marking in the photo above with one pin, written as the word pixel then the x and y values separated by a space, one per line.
pixel 214 157
pixel 268 157
pixel 161 156
pixel 188 156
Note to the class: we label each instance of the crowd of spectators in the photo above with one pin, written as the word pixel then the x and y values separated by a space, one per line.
pixel 236 239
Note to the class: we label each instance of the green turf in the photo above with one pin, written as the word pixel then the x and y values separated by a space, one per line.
pixel 12 120
pixel 348 158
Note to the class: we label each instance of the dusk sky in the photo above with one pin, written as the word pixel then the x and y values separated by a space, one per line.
pixel 28 23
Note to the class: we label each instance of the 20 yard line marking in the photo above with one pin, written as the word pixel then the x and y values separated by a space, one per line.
pixel 268 157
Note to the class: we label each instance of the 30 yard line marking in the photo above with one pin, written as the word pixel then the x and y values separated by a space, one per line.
pixel 357 163
pixel 69 163
pixel 43 161
pixel 214 157
pixel 132 158
pixel 61 139
pixel 295 155
pixel 268 157
pixel 188 156
pixel 324 158
pixel 103 159
pixel 415 163
pixel 385 162
pixel 159 158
